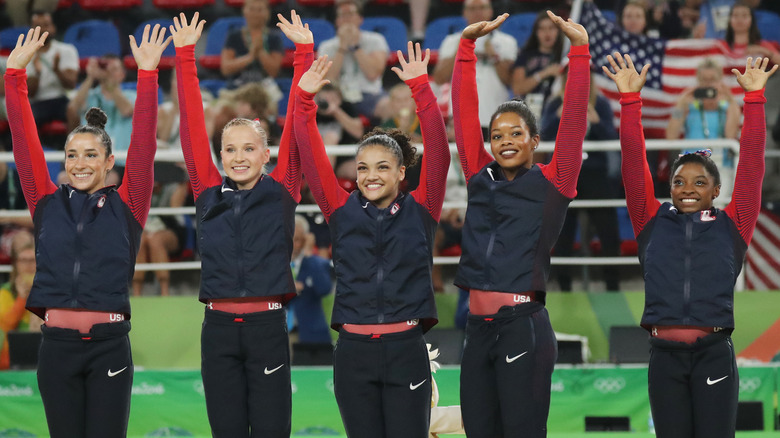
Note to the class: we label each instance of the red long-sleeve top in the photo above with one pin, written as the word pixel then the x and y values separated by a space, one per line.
pixel 745 200
pixel 194 139
pixel 136 190
pixel 435 162
pixel 564 168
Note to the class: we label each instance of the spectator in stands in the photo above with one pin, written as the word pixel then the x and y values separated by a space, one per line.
pixel 418 17
pixel 633 17
pixel 403 113
pixel 108 72
pixel 359 59
pixel 313 282
pixel 714 16
pixel 253 53
pixel 496 53
pixel 708 111
pixel 249 101
pixel 13 295
pixel 338 120
pixel 599 177
pixel 743 36
pixel 51 74
pixel 538 64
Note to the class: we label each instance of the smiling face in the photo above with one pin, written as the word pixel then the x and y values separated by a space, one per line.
pixel 86 163
pixel 693 188
pixel 512 143
pixel 379 175
pixel 243 155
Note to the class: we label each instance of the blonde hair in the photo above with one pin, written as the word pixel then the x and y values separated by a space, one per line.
pixel 254 124
pixel 709 64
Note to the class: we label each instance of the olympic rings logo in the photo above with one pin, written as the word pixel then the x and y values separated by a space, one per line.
pixel 749 385
pixel 198 387
pixel 609 385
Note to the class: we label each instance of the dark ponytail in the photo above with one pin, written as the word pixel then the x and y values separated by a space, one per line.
pixel 96 125
pixel 394 140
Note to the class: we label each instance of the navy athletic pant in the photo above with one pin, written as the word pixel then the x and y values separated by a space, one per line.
pixel 694 387
pixel 383 384
pixel 85 380
pixel 245 365
pixel 506 373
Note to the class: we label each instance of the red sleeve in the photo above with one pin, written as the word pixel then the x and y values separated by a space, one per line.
pixel 465 111
pixel 640 194
pixel 316 165
pixel 137 184
pixel 564 167
pixel 288 164
pixel 746 199
pixel 194 139
pixel 436 156
pixel 28 153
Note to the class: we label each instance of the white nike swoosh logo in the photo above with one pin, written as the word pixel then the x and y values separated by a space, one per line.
pixel 512 359
pixel 267 371
pixel 413 387
pixel 712 382
pixel 112 374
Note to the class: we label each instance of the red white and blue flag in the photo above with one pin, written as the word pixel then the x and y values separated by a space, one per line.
pixel 762 263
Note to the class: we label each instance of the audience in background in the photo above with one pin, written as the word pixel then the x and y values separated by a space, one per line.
pixel 538 64
pixel 714 16
pixel 743 36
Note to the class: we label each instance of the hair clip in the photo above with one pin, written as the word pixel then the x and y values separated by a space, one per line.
pixel 707 153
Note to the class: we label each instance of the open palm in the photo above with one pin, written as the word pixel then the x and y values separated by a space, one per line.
pixel 294 29
pixel 26 47
pixel 625 76
pixel 147 55
pixel 314 79
pixel 756 75
pixel 417 64
pixel 186 34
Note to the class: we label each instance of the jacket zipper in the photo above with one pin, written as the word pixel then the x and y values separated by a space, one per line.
pixel 77 250
pixel 487 284
pixel 380 273
pixel 687 282
pixel 239 243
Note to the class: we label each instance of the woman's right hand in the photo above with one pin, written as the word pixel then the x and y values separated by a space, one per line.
pixel 186 34
pixel 482 28
pixel 756 74
pixel 294 29
pixel 625 76
pixel 26 48
pixel 314 79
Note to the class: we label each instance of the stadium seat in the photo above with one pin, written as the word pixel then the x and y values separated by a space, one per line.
pixel 213 85
pixel 168 59
pixel 108 5
pixel 134 86
pixel 320 28
pixel 181 4
pixel 394 31
pixel 93 38
pixel 285 84
pixel 218 32
pixel 240 3
pixel 8 38
pixel 438 29
pixel 316 3
pixel 519 26
pixel 62 4
pixel 769 25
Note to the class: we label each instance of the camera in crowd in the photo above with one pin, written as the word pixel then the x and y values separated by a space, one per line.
pixel 705 93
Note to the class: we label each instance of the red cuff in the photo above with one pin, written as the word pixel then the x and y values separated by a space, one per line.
pixel 305 94
pixel 756 96
pixel 16 72
pixel 304 48
pixel 579 50
pixel 147 73
pixel 417 81
pixel 184 50
pixel 627 98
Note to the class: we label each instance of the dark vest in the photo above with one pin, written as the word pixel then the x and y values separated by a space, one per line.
pixel 383 261
pixel 690 263
pixel 509 231
pixel 245 240
pixel 85 250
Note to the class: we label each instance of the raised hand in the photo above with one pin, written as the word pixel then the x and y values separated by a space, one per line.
pixel 482 28
pixel 26 48
pixel 416 66
pixel 294 29
pixel 755 76
pixel 575 32
pixel 314 79
pixel 148 54
pixel 186 34
pixel 625 76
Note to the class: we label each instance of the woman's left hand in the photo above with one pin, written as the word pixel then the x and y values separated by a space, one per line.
pixel 755 76
pixel 314 79
pixel 148 54
pixel 417 64
pixel 294 29
pixel 575 32
pixel 26 48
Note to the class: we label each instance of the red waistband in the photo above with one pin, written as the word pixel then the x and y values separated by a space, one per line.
pixel 381 329
pixel 246 305
pixel 80 319
pixel 487 302
pixel 681 333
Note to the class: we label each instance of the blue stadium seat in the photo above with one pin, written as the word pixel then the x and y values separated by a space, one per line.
pixel 394 31
pixel 8 38
pixel 213 85
pixel 168 59
pixel 107 5
pixel 439 28
pixel 93 38
pixel 134 86
pixel 769 25
pixel 285 84
pixel 519 26
pixel 218 32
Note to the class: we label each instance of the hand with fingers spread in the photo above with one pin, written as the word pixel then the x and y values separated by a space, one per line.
pixel 482 28
pixel 627 79
pixel 756 75
pixel 314 79
pixel 148 54
pixel 575 32
pixel 294 29
pixel 26 48
pixel 186 34
pixel 417 64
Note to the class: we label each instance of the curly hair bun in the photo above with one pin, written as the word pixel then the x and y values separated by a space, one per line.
pixel 96 117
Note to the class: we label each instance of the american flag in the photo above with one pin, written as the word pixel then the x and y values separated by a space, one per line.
pixel 672 66
pixel 762 264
